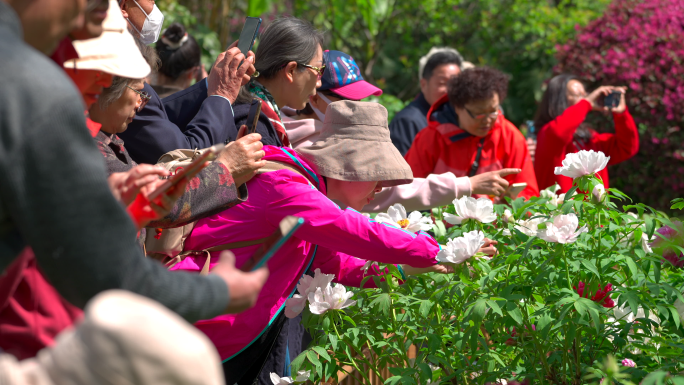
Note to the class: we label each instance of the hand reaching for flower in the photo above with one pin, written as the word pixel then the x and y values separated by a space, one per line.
pixel 457 251
pixel 489 247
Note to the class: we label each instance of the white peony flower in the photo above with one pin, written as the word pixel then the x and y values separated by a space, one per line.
pixel 396 216
pixel 582 163
pixel 598 194
pixel 460 249
pixel 645 242
pixel 508 216
pixel 481 210
pixel 294 306
pixel 277 380
pixel 306 286
pixel 302 376
pixel 330 298
pixel 530 227
pixel 368 265
pixel 563 229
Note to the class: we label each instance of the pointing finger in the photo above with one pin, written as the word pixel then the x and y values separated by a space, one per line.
pixel 509 171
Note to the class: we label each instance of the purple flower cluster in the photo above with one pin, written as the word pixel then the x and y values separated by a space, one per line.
pixel 637 43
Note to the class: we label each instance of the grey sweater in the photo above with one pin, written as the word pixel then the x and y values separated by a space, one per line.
pixel 54 195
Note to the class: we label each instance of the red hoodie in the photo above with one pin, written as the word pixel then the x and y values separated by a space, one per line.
pixel 442 147
pixel 556 139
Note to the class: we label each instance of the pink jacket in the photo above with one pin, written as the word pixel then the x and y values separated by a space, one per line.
pixel 342 236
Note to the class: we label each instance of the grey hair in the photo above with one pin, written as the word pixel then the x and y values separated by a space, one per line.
pixel 287 39
pixel 115 91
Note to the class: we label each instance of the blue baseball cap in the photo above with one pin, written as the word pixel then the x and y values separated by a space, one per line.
pixel 343 77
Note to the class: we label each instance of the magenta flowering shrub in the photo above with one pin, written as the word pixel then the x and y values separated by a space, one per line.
pixel 638 44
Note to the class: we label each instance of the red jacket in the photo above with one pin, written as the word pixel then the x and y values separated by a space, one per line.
pixel 32 313
pixel 555 140
pixel 442 147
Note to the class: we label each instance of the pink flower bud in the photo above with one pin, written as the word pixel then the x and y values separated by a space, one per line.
pixel 629 363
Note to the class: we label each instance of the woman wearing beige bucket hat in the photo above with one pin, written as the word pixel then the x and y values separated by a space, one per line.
pixel 113 53
pixel 352 160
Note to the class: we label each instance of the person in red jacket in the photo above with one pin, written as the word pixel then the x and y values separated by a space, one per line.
pixel 560 119
pixel 468 135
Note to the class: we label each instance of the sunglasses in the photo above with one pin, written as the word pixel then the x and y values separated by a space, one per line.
pixel 319 70
pixel 144 98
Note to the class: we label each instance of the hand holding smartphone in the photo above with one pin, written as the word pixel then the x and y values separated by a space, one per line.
pixel 612 100
pixel 515 189
pixel 248 35
pixel 190 171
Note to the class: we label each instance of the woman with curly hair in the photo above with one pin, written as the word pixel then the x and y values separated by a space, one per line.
pixel 468 135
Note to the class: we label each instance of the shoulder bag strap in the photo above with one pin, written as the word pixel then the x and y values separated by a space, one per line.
pixel 476 164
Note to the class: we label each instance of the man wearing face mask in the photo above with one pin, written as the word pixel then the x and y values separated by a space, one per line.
pixel 197 117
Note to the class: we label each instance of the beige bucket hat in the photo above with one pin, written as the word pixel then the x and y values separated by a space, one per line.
pixel 354 145
pixel 114 52
pixel 127 339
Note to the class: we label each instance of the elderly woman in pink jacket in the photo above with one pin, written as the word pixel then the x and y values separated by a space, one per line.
pixel 325 183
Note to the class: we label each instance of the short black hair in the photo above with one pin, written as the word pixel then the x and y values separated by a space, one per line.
pixel 176 55
pixel 439 59
pixel 479 83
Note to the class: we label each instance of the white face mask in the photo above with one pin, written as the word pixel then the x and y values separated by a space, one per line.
pixel 151 27
pixel 321 116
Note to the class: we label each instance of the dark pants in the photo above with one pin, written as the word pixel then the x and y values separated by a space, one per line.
pixel 244 368
pixel 270 357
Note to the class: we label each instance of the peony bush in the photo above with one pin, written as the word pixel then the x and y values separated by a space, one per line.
pixel 576 295
pixel 637 43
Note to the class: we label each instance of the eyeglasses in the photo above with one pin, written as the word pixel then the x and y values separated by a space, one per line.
pixel 144 98
pixel 492 115
pixel 319 70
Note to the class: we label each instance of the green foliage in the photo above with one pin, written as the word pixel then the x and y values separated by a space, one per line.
pixel 206 38
pixel 388 37
pixel 519 315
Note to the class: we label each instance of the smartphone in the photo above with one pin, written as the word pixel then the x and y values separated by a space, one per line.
pixel 248 35
pixel 253 116
pixel 285 230
pixel 515 189
pixel 612 100
pixel 207 156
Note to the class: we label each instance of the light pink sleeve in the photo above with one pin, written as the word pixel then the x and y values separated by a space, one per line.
pixel 422 193
pixel 346 231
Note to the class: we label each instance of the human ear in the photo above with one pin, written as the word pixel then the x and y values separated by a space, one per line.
pixel 122 5
pixel 423 85
pixel 290 69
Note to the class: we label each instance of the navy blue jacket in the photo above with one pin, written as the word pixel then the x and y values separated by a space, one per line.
pixel 408 122
pixel 186 119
